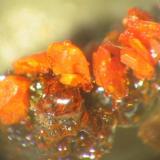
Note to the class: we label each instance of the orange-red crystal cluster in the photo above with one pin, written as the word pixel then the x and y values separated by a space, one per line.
pixel 135 50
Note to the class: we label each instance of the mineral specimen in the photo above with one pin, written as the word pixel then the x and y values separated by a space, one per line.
pixel 52 105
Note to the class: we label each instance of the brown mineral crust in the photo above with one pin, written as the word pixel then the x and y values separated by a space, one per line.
pixel 149 131
pixel 58 112
pixel 59 100
pixel 48 137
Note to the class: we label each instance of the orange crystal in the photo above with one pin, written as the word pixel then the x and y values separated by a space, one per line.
pixel 140 43
pixel 149 29
pixel 137 57
pixel 69 62
pixel 109 72
pixel 141 68
pixel 33 64
pixel 136 13
pixel 139 13
pixel 14 99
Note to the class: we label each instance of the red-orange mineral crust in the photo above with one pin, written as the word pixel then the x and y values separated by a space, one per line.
pixel 14 99
pixel 69 62
pixel 109 72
